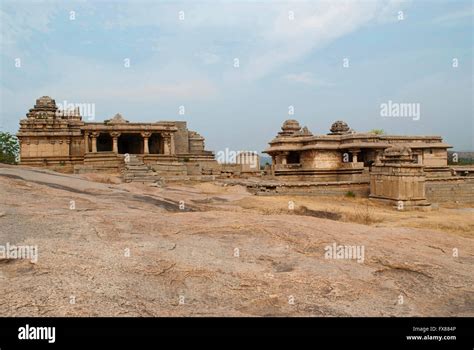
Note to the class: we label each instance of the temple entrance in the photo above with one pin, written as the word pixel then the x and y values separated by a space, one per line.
pixel 130 143
pixel 104 143
pixel 367 157
pixel 293 158
pixel 155 144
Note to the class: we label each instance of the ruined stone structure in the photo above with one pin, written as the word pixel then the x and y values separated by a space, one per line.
pixel 398 179
pixel 249 162
pixel 404 171
pixel 411 170
pixel 345 155
pixel 52 138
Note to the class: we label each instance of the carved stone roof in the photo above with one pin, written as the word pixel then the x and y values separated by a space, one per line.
pixel 194 135
pixel 45 102
pixel 397 154
pixel 117 119
pixel 396 151
pixel 45 108
pixel 289 127
pixel 303 132
pixel 340 127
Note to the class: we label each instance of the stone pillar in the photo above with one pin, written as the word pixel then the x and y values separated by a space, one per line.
pixel 172 144
pixel 284 159
pixel 166 143
pixel 94 135
pixel 280 158
pixel 354 155
pixel 378 156
pixel 115 135
pixel 86 142
pixel 146 135
pixel 419 158
pixel 70 147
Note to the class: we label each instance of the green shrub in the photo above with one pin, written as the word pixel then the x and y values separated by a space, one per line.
pixel 9 148
pixel 350 194
pixel 377 131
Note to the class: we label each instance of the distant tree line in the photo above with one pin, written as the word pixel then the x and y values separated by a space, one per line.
pixel 460 158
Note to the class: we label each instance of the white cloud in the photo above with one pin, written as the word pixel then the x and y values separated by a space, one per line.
pixel 261 34
pixel 208 57
pixel 314 25
pixel 306 78
pixel 89 80
pixel 20 21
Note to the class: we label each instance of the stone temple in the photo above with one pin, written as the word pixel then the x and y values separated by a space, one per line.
pixel 346 155
pixel 63 141
pixel 404 171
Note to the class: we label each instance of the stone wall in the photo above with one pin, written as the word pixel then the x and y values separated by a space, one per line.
pixel 44 148
pixel 165 169
pixel 346 172
pixel 455 189
pixel 325 159
pixel 203 167
pixel 359 189
pixel 196 142
pixel 433 157
pixel 398 182
pixel 181 141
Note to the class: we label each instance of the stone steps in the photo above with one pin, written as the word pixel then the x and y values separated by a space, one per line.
pixel 136 171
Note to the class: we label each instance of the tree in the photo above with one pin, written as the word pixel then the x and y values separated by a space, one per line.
pixel 377 131
pixel 9 148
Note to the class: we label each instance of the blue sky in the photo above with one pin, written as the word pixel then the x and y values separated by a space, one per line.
pixel 283 62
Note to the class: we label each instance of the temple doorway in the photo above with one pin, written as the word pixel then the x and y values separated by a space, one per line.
pixel 367 157
pixel 104 143
pixel 130 143
pixel 293 158
pixel 155 144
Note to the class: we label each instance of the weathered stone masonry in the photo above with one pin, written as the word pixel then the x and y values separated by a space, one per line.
pixel 63 141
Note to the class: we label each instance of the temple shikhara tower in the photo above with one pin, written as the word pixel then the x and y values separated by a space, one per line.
pixel 63 140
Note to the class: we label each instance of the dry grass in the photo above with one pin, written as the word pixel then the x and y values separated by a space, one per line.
pixel 462 227
pixel 366 212
pixel 365 215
